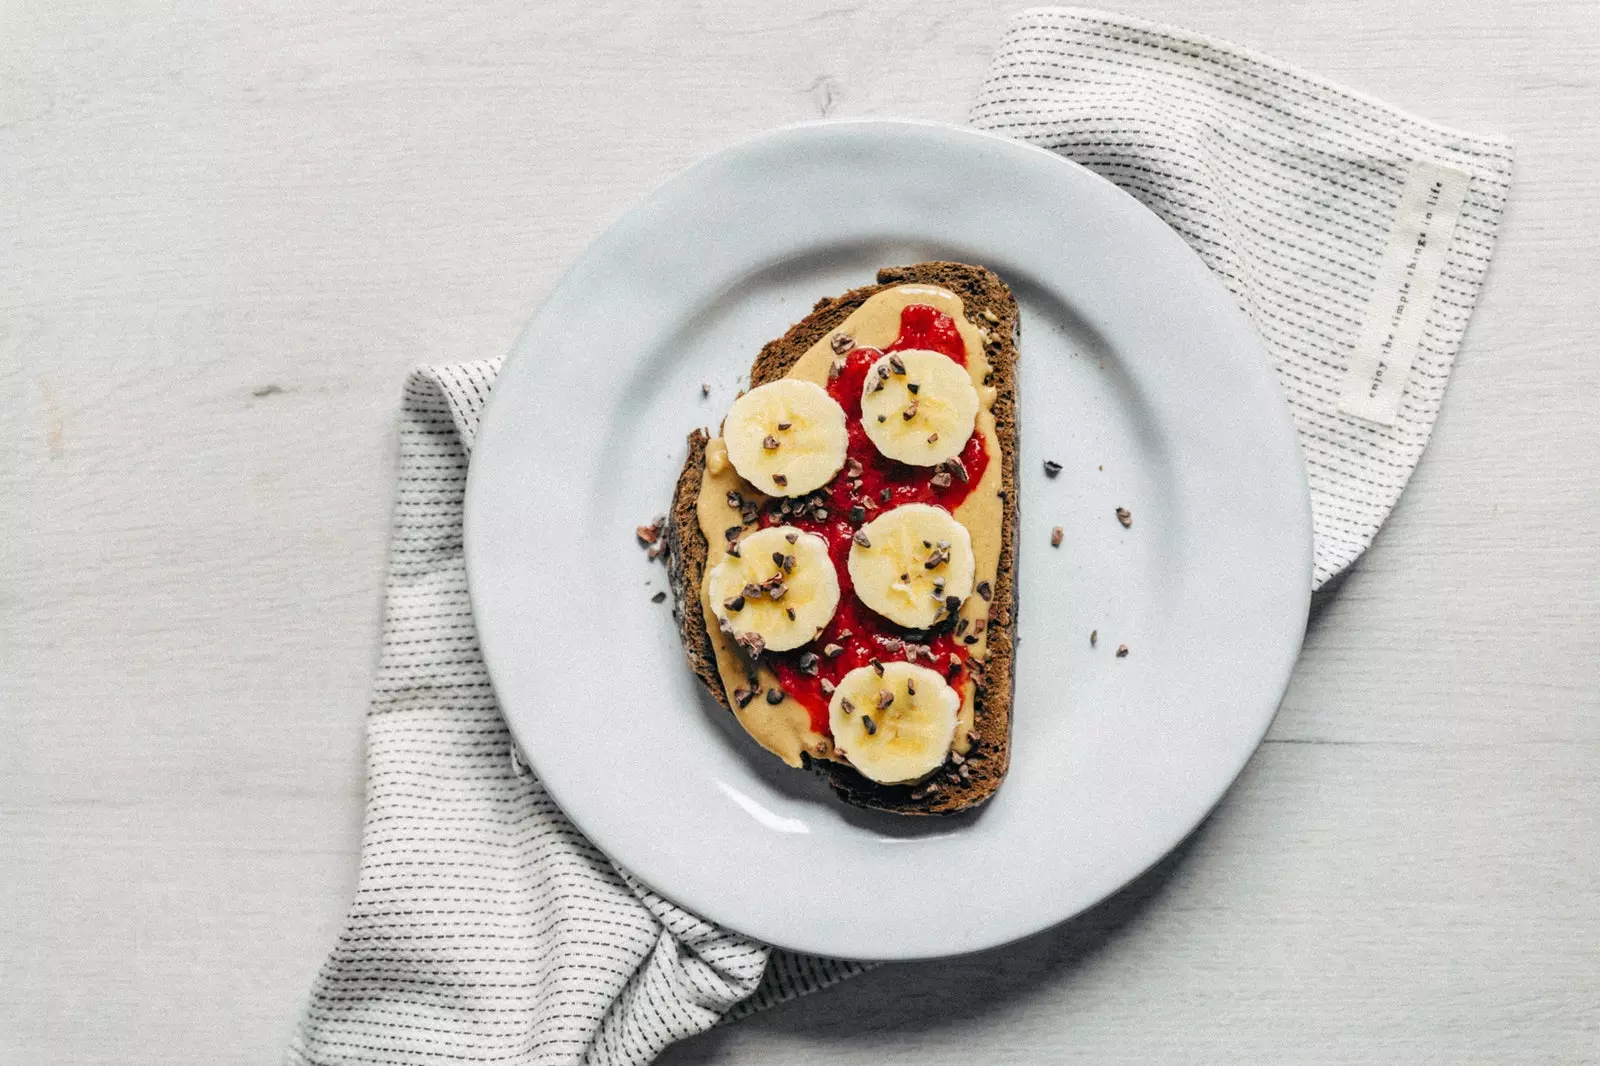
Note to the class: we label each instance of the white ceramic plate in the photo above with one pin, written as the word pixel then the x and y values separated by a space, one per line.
pixel 1139 376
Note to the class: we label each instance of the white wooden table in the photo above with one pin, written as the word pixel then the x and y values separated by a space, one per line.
pixel 225 236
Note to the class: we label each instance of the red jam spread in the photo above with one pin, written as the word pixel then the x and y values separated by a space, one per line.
pixel 852 502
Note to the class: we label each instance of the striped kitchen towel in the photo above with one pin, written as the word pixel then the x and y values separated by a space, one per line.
pixel 486 929
pixel 1354 235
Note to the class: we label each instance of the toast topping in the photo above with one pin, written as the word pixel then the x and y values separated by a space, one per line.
pixel 787 437
pixel 881 622
pixel 913 323
pixel 909 730
pixel 782 591
pixel 916 568
pixel 936 403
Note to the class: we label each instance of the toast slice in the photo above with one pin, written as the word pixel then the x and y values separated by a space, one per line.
pixel 991 324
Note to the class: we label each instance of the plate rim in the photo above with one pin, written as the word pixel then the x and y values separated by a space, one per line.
pixel 611 231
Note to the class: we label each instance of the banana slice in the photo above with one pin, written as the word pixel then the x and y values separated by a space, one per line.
pixel 894 727
pixel 787 437
pixel 778 592
pixel 913 565
pixel 918 407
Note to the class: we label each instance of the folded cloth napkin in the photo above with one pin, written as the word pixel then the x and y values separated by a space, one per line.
pixel 1354 235
pixel 485 928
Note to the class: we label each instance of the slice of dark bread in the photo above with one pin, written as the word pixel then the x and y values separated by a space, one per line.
pixel 983 295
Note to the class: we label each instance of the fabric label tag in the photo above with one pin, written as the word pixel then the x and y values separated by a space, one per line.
pixel 1386 347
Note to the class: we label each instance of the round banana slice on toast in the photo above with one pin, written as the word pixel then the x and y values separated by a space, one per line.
pixel 918 406
pixel 778 592
pixel 913 565
pixel 787 437
pixel 896 726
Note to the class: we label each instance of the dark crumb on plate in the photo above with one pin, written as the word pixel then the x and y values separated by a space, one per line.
pixel 650 538
pixel 1051 468
pixel 1122 651
pixel 659 597
pixel 1094 637
pixel 1124 516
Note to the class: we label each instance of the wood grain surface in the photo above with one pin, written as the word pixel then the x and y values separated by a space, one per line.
pixel 227 230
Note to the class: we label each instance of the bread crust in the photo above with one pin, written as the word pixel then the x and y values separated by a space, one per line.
pixel 982 294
